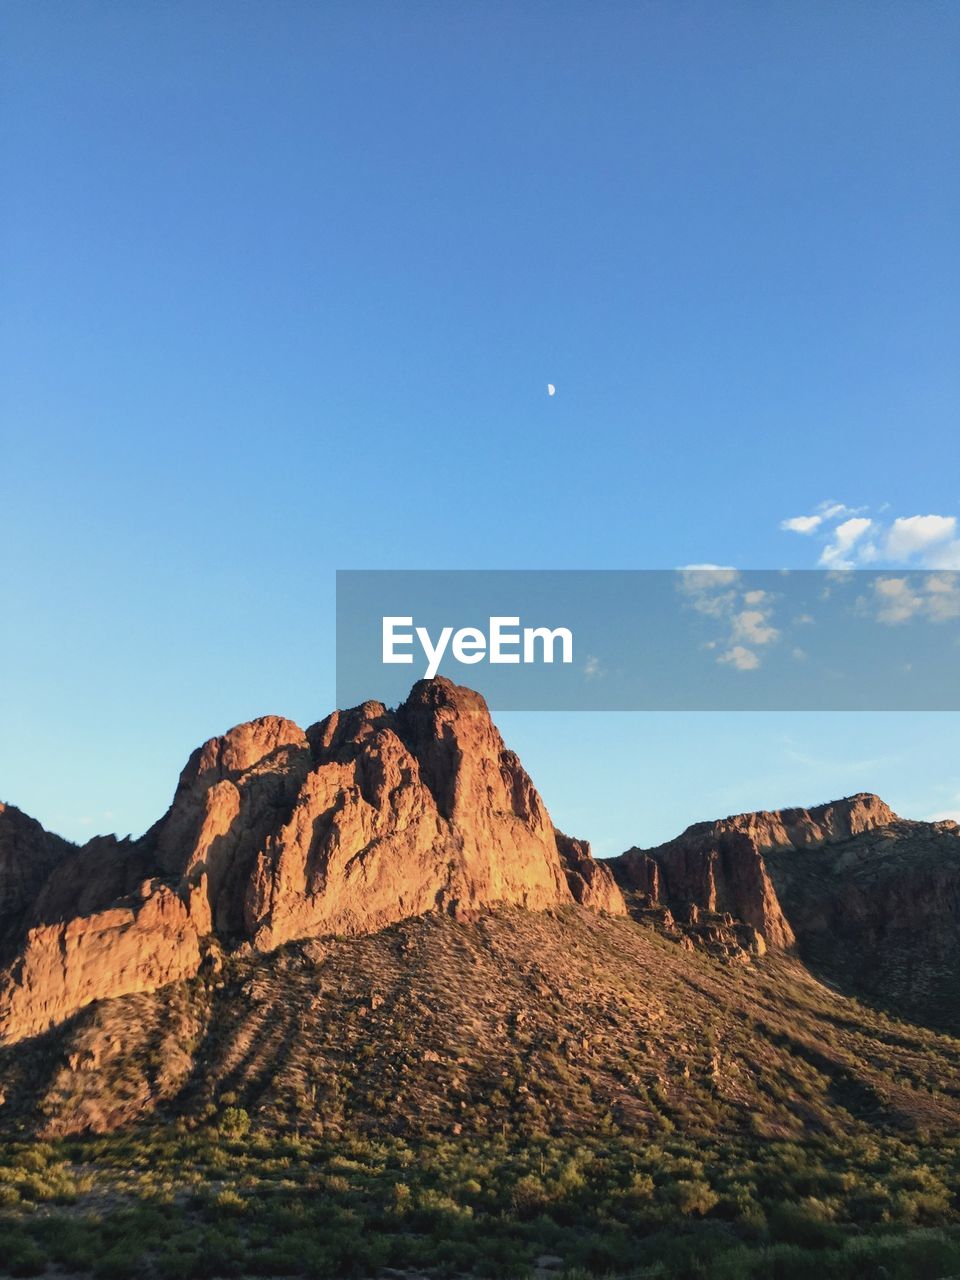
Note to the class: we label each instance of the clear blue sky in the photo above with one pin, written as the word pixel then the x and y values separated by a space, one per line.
pixel 284 284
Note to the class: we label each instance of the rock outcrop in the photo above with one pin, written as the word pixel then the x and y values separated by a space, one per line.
pixel 368 817
pixel 879 915
pixel 138 945
pixel 866 899
pixel 721 867
pixel 591 882
pixel 373 816
pixel 27 856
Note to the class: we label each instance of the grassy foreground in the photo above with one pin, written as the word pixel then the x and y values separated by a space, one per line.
pixel 222 1201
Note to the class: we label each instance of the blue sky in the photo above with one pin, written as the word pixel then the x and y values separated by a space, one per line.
pixel 284 286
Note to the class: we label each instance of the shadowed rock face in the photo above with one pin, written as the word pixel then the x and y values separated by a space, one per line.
pixel 368 817
pixel 720 867
pixel 879 915
pixel 869 900
pixel 27 856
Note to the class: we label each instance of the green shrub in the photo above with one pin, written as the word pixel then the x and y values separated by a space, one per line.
pixel 234 1123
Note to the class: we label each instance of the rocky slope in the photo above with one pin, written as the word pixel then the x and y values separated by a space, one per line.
pixel 275 833
pixel 557 1021
pixel 879 914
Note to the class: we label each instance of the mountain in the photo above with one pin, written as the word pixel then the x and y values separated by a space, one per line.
pixel 870 901
pixel 374 923
pixel 276 833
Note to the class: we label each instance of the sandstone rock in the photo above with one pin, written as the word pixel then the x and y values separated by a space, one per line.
pixel 231 794
pixel 721 867
pixel 368 817
pixel 138 946
pixel 590 882
pixel 27 856
pixel 405 812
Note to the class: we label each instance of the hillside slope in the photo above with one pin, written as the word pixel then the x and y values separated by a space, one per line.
pixel 559 1021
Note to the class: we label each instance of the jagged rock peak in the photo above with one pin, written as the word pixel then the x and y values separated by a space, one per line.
pixel 368 817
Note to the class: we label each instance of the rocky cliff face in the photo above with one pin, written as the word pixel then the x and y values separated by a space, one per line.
pixel 879 915
pixel 721 867
pixel 368 817
pixel 802 828
pixel 868 900
pixel 372 816
pixel 27 856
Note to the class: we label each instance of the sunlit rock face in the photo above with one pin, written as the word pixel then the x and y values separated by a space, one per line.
pixel 368 817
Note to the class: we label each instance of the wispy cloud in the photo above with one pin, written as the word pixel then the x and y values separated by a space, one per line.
pixel 593 668
pixel 826 512
pixel 839 553
pixel 802 524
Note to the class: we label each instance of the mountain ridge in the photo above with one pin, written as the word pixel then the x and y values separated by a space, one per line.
pixel 372 816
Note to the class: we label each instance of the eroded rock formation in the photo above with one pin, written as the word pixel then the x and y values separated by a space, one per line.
pixel 866 899
pixel 368 817
pixel 721 867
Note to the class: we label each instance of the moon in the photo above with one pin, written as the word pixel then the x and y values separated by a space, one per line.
pixel 551 389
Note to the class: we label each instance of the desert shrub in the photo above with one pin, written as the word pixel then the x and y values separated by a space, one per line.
pixel 234 1123
pixel 530 1196
pixel 125 1261
pixel 691 1196
pixel 21 1257
pixel 806 1225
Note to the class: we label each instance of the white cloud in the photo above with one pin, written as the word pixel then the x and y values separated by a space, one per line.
pixel 912 535
pixel 707 577
pixel 802 524
pixel 753 626
pixel 943 596
pixel 715 591
pixel 592 667
pixel 836 555
pixel 945 557
pixel 826 512
pixel 936 598
pixel 925 542
pixel 896 600
pixel 709 588
pixel 740 657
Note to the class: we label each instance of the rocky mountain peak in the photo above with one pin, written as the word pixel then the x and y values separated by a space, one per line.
pixel 368 817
